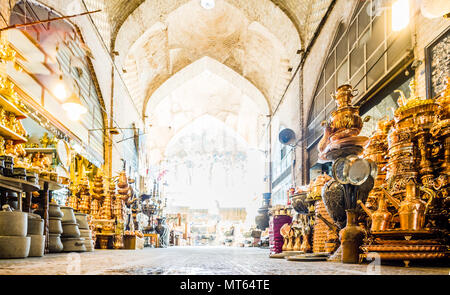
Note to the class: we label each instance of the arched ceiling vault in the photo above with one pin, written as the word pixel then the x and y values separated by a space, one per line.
pixel 150 52
pixel 205 88
pixel 207 64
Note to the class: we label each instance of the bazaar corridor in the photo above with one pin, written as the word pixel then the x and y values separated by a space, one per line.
pixel 193 261
pixel 224 137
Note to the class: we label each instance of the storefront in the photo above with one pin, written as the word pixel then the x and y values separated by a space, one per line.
pixel 372 58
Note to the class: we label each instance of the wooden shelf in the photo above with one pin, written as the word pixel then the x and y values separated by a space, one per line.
pixel 17 185
pixel 52 185
pixel 41 150
pixel 10 107
pixel 9 134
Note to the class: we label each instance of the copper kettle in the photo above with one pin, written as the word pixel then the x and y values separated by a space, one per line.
pixel 381 218
pixel 412 209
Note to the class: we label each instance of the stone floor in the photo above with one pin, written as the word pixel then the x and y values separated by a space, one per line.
pixel 194 261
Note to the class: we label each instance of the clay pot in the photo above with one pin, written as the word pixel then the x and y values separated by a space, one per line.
pixel 13 223
pixel 69 216
pixel 70 230
pixel 351 238
pixel 86 233
pixel 54 226
pixel 35 224
pixel 14 246
pixel 89 244
pixel 54 243
pixel 73 245
pixel 54 210
pixel 37 245
pixel 82 220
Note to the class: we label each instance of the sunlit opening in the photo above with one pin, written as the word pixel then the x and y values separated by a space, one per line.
pixel 400 15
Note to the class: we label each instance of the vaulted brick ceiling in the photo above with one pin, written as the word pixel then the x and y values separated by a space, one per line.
pixel 259 39
pixel 305 14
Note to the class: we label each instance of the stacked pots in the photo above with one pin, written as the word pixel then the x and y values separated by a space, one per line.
pixel 85 232
pixel 14 242
pixel 55 228
pixel 36 233
pixel 71 236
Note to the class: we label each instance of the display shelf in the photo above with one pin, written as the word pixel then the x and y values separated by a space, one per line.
pixel 17 185
pixel 52 185
pixel 41 150
pixel 10 107
pixel 9 134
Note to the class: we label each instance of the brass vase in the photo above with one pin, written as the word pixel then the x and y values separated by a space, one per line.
pixel 103 241
pixel 118 242
pixel 351 238
pixel 306 246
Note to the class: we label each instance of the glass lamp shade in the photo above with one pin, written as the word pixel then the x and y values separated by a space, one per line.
pixel 207 4
pixel 74 108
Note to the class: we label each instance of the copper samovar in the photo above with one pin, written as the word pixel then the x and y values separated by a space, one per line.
pixel 345 122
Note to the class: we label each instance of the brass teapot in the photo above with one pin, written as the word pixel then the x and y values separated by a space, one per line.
pixel 381 218
pixel 412 209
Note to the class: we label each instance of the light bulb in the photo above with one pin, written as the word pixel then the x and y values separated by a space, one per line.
pixel 74 110
pixel 400 15
pixel 60 91
pixel 207 4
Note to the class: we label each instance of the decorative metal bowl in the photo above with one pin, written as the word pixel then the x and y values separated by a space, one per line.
pixel 301 203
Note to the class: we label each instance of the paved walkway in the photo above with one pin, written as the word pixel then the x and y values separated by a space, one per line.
pixel 191 261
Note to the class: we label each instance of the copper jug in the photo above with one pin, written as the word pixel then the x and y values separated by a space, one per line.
pixel 381 218
pixel 306 246
pixel 123 180
pixel 290 245
pixel 412 209
pixel 297 244
pixel 351 237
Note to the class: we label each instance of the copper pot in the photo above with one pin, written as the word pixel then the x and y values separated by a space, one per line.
pixel 400 135
pixel 345 122
pixel 401 150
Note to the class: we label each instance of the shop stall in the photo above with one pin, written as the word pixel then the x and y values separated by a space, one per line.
pixel 388 194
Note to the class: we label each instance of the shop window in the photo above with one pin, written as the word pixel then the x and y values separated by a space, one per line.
pixel 362 54
pixel 437 58
pixel 381 106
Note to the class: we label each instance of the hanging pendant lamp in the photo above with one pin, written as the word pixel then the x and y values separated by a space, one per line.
pixel 73 107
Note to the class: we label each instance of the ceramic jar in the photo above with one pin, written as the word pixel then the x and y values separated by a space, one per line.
pixel 82 220
pixel 36 234
pixel 70 230
pixel 73 245
pixel 13 223
pixel 351 238
pixel 69 216
pixel 54 226
pixel 35 224
pixel 37 246
pixel 14 246
pixel 54 243
pixel 54 210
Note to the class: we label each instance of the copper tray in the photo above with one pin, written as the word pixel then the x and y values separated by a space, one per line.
pixel 349 141
pixel 411 255
pixel 404 248
pixel 333 154
pixel 406 242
